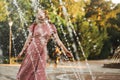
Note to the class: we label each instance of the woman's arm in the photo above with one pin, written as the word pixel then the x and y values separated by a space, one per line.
pixel 59 42
pixel 27 42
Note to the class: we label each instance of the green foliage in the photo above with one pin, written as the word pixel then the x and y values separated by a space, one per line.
pixel 106 50
pixel 91 38
pixel 75 8
pixel 3 10
pixel 102 13
pixel 4 38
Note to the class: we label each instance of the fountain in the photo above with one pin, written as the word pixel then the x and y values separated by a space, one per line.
pixel 65 70
pixel 115 60
pixel 70 29
pixel 69 70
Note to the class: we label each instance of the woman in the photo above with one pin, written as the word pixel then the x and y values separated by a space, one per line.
pixel 35 48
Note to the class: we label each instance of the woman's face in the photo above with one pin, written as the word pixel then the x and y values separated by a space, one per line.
pixel 40 14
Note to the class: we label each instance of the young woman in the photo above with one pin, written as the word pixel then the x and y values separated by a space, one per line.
pixel 35 48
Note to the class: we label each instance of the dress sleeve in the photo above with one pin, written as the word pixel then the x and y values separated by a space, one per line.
pixel 31 28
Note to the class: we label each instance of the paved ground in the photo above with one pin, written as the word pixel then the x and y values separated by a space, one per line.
pixel 93 70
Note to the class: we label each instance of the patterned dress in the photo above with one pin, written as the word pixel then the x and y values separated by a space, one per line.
pixel 34 63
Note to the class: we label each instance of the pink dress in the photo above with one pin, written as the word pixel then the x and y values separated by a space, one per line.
pixel 34 63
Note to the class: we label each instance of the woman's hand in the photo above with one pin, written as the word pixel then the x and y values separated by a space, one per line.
pixel 69 55
pixel 61 45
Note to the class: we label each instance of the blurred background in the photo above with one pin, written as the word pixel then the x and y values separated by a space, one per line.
pixel 90 29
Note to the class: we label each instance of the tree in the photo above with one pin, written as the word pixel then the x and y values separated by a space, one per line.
pixel 114 29
pixel 102 11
